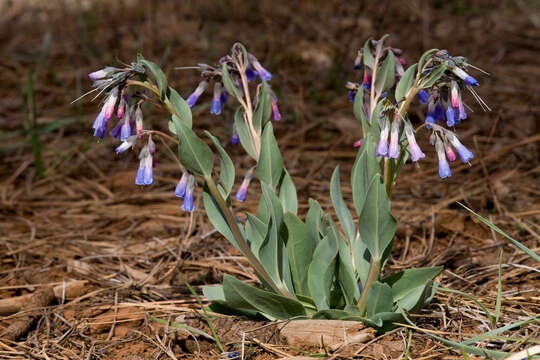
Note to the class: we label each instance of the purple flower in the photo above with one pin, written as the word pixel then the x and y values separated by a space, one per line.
pixel 241 194
pixel 358 60
pixel 145 173
pixel 450 116
pixel 194 97
pixel 122 104
pixel 393 151
pixel 128 143
pixel 100 124
pixel 462 113
pixel 251 74
pixel 423 96
pixel 444 168
pixel 138 120
pixel 103 73
pixel 216 100
pixel 454 94
pixel 110 103
pixel 463 152
pixel 450 154
pixel 263 73
pixel 276 115
pixel 180 189
pixel 414 149
pixel 464 76
pixel 439 112
pixel 188 197
pixel 366 80
pixel 430 117
pixel 357 144
pixel 352 95
pixel 382 147
pixel 115 132
pixel 125 131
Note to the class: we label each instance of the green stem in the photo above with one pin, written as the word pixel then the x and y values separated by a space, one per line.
pixel 242 243
pixel 156 92
pixel 373 275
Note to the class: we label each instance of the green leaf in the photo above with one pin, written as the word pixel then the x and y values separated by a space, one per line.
pixel 360 112
pixel 408 286
pixel 272 252
pixel 495 228
pixel 386 74
pixel 376 223
pixel 300 252
pixel 194 154
pixel 256 231
pixel 369 61
pixel 243 133
pixel 433 76
pixel 230 86
pixel 364 169
pixel 216 217
pixel 172 127
pixel 380 299
pixel 321 272
pixel 159 76
pixel 287 194
pixel 264 108
pixel 424 58
pixel 313 221
pixel 180 106
pixel 405 83
pixel 342 211
pixel 270 164
pixel 226 174
pixel 244 296
pixel 346 274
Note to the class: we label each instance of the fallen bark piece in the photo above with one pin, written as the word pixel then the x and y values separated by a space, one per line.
pixel 330 333
pixel 66 291
pixel 21 326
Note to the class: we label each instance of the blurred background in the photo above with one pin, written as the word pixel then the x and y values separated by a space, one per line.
pixel 69 206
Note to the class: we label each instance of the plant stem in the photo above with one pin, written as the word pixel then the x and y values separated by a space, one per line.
pixel 248 109
pixel 156 92
pixel 373 275
pixel 242 243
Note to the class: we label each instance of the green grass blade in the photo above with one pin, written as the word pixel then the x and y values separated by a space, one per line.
pixel 470 297
pixel 495 228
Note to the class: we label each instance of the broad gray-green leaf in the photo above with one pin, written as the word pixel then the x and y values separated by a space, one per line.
pixel 403 281
pixel 270 164
pixel 342 211
pixel 230 86
pixel 287 194
pixel 194 154
pixel 226 174
pixel 376 224
pixel 244 296
pixel 180 106
pixel 360 112
pixel 300 252
pixel 386 74
pixel 256 232
pixel 313 221
pixel 346 273
pixel 217 218
pixel 405 83
pixel 364 168
pixel 159 76
pixel 213 292
pixel 172 127
pixel 243 133
pixel 433 76
pixel 424 58
pixel 367 56
pixel 379 300
pixel 321 272
pixel 361 260
pixel 263 110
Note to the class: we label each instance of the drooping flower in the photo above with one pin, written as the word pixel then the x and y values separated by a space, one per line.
pixel 460 73
pixel 414 149
pixel 110 103
pixel 393 151
pixel 382 147
pixel 103 73
pixel 241 194
pixel 194 97
pixel 125 131
pixel 444 168
pixel 358 60
pixel 138 120
pixel 251 74
pixel 145 173
pixel 454 94
pixel 276 115
pixel 465 154
pixel 357 143
pixel 423 96
pixel 430 116
pixel 180 189
pixel 100 124
pixel 263 73
pixel 450 116
pixel 128 143
pixel 122 104
pixel 188 197
pixel 235 139
pixel 352 95
pixel 223 98
pixel 366 80
pixel 450 154
pixel 216 100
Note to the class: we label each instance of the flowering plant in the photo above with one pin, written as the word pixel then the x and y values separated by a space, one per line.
pixel 311 267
